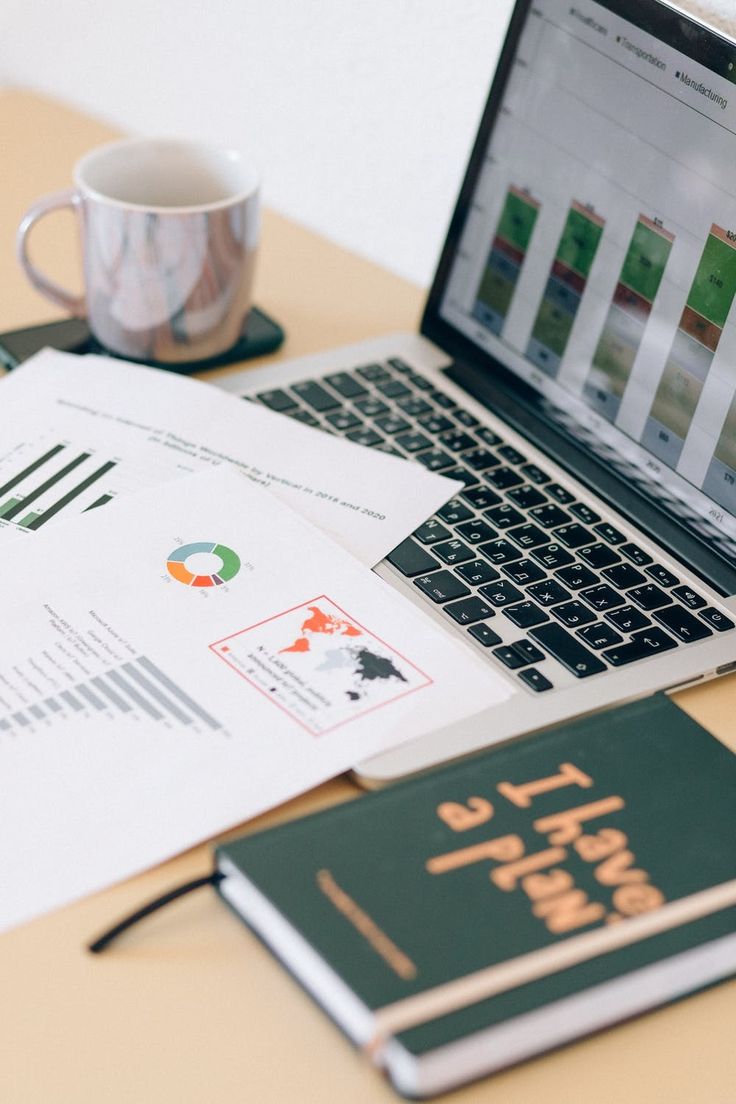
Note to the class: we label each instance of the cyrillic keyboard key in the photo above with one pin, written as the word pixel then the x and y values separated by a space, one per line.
pixel 488 436
pixel 637 555
pixel 567 650
pixel 535 680
pixel 480 459
pixel 501 593
pixel 648 597
pixel 373 372
pixel 367 437
pixel 411 559
pixel 476 531
pixel 584 513
pixel 304 416
pixel 432 531
pixel 481 497
pixel 392 423
pixel 628 619
pixel 443 400
pixel 573 614
pixel 393 389
pixel 371 408
pixel 598 555
pixel 442 586
pixel 435 423
pixel 525 615
pixel 413 406
pixel 477 572
pixel 504 516
pixel 573 535
pixel 528 536
pixel 682 624
pixel 623 575
pixel 503 478
pixel 277 400
pixel 609 533
pixel 500 551
pixel 602 597
pixel 512 454
pixel 600 636
pixel 314 395
pixel 549 593
pixel 467 478
pixel 526 496
pixel 552 556
pixel 413 442
pixel 535 474
pixel 523 572
pixel 453 552
pixel 343 419
pixel 468 610
pixel 559 493
pixel 400 366
pixel 456 441
pixel 549 516
pixel 346 385
pixel 662 575
pixel 577 576
pixel 642 645
pixel 454 511
pixel 466 418
pixel 435 460
pixel 717 619
pixel 484 635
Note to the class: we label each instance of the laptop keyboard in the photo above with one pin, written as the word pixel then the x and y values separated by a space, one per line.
pixel 513 547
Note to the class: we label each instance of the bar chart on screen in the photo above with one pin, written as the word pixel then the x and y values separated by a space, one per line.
pixel 505 260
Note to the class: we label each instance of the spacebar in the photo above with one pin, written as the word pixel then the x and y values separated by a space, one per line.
pixel 569 651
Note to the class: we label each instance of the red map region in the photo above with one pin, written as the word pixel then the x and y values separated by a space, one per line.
pixel 324 623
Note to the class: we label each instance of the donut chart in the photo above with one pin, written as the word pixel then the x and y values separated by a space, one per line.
pixel 177 566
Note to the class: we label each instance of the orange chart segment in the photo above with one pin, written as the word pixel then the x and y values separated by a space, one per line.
pixel 179 572
pixel 229 564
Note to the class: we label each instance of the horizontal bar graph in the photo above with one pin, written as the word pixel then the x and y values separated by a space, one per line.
pixel 628 314
pixel 48 474
pixel 576 251
pixel 693 349
pixel 508 251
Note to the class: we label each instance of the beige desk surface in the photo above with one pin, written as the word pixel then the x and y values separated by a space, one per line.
pixel 189 1009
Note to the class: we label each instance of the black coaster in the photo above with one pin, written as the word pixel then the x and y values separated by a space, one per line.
pixel 261 335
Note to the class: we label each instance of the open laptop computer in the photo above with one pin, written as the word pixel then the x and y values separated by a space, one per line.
pixel 575 371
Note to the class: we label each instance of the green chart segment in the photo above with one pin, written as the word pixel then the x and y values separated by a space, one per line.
pixel 566 284
pixel 628 314
pixel 46 484
pixel 506 259
pixel 693 349
pixel 227 569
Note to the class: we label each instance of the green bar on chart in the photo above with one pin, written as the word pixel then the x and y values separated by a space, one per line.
pixel 508 252
pixel 9 505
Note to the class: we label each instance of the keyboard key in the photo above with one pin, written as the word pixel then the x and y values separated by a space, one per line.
pixel 584 513
pixel 484 635
pixel 535 474
pixel 400 366
pixel 689 598
pixel 535 680
pixel 628 619
pixel 456 441
pixel 314 395
pixel 393 389
pixel 500 551
pixel 346 385
pixel 343 419
pixel 509 657
pixel 466 418
pixel 488 436
pixel 598 555
pixel 435 423
pixel 481 497
pixel 599 636
pixel 454 511
pixel 623 576
pixel 367 437
pixel 549 515
pixel 411 559
pixel 373 372
pixel 682 624
pixel 277 400
pixel 504 516
pixel 431 531
pixel 477 572
pixel 662 576
pixel 435 460
pixel 528 651
pixel 642 645
pixel 468 610
pixel 413 406
pixel 467 478
pixel 501 593
pixel 648 597
pixel 476 531
pixel 305 417
pixel 576 576
pixel 574 535
pixel 413 442
pixel 480 459
pixel 549 593
pixel 602 597
pixel 716 619
pixel 558 492
pixel 524 572
pixel 392 423
pixel 503 478
pixel 567 650
pixel 525 615
pixel 528 536
pixel 526 496
pixel 420 382
pixel 573 614
pixel 508 452
pixel 453 552
pixel 552 556
pixel 609 533
pixel 442 586
pixel 371 408
pixel 386 447
pixel 637 555
pixel 444 401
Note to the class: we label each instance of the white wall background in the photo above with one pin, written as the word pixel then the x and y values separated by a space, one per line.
pixel 360 112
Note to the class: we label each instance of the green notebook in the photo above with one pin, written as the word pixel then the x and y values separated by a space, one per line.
pixel 478 915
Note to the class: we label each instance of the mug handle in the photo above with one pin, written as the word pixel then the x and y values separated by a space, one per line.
pixel 75 304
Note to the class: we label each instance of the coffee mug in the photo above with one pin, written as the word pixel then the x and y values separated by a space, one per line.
pixel 169 232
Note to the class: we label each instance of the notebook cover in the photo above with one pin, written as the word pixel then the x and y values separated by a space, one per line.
pixel 386 890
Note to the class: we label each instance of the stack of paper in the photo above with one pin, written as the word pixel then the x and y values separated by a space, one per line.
pixel 196 651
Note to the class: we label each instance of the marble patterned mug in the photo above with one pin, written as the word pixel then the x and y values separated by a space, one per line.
pixel 169 232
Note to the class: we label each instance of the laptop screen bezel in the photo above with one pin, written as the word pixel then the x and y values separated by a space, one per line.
pixel 692 38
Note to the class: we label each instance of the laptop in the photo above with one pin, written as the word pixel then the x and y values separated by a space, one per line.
pixel 575 373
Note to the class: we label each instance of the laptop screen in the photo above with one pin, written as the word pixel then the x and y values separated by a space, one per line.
pixel 597 258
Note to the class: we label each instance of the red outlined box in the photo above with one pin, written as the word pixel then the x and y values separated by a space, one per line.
pixel 308 681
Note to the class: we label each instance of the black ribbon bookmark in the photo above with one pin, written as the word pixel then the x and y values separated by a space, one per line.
pixel 107 937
